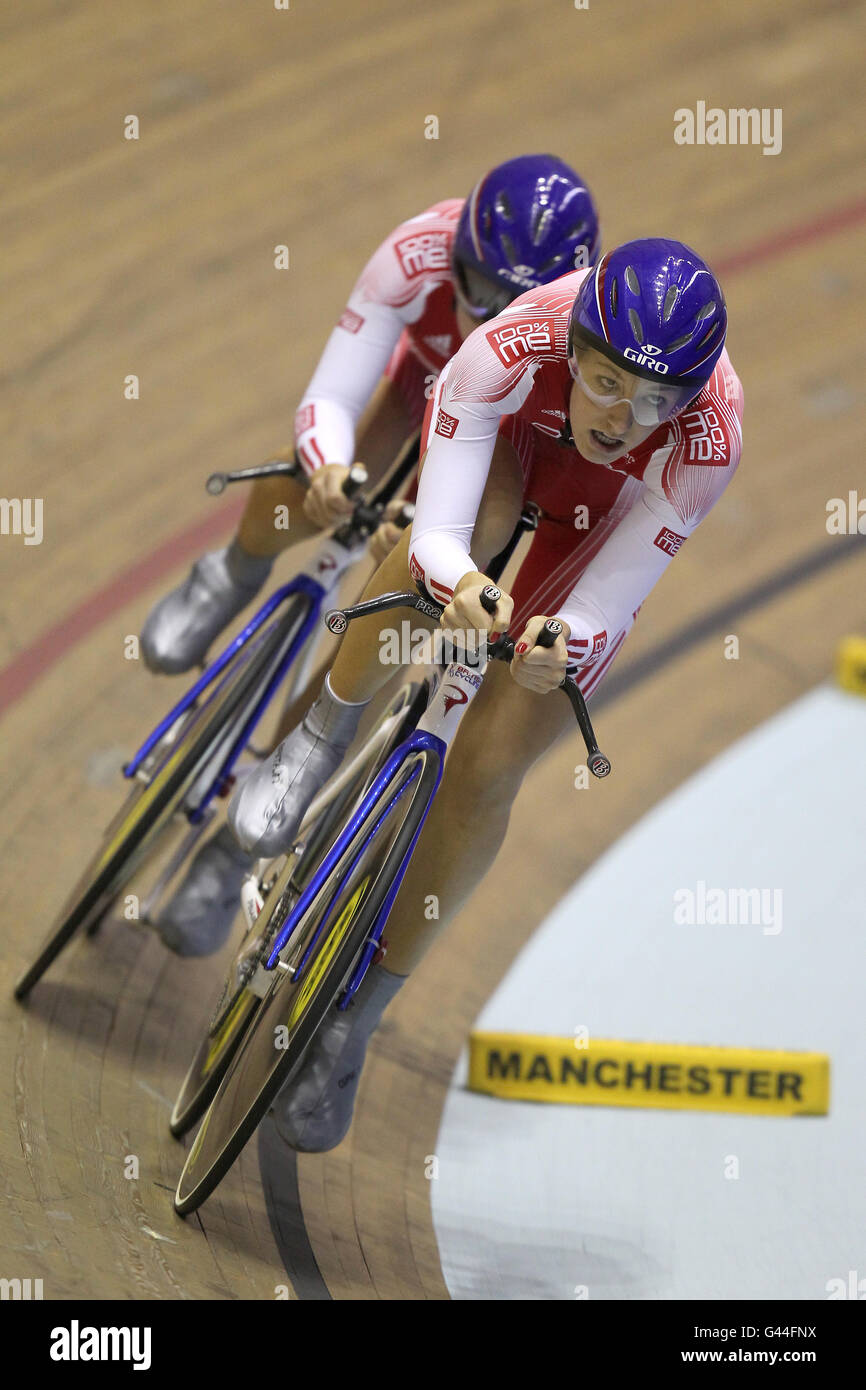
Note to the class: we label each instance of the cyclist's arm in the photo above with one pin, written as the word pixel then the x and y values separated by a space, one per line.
pixel 463 434
pixel 349 369
pixel 385 300
pixel 676 498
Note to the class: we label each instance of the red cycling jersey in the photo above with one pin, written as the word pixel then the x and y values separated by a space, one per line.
pixel 610 530
pixel 400 322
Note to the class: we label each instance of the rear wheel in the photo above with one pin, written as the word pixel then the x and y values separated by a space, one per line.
pixel 339 921
pixel 152 805
pixel 237 1004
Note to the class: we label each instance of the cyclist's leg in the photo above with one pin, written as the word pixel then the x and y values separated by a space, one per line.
pixel 266 811
pixel 181 627
pixel 504 732
pixel 198 917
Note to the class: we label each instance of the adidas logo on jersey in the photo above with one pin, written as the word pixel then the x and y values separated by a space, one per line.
pixel 440 342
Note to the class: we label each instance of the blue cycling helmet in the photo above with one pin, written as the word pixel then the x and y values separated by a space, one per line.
pixel 657 310
pixel 522 226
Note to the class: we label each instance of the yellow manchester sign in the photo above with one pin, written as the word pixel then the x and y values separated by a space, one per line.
pixel 670 1076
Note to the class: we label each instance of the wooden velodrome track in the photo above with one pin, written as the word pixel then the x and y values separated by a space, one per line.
pixel 155 257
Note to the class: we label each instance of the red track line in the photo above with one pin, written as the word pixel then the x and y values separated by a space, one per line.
pixel 793 239
pixel 35 660
pixel 24 670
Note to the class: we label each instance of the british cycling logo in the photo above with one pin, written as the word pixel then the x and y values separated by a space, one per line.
pixel 451 700
pixel 421 252
pixel 446 424
pixel 77 1343
pixel 516 340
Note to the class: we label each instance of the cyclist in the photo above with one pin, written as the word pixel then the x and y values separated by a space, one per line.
pixel 623 414
pixel 433 280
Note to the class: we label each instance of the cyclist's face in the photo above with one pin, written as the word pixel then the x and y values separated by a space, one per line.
pixel 478 298
pixel 465 324
pixel 604 433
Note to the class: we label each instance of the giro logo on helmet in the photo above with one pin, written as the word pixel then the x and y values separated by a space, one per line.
pixel 643 360
pixel 648 347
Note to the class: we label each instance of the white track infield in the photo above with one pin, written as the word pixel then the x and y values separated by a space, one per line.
pixel 546 1201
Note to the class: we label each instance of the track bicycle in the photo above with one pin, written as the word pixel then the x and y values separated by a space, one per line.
pixel 189 759
pixel 315 946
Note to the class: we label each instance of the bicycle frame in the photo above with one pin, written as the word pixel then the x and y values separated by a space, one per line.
pixel 331 561
pixel 434 734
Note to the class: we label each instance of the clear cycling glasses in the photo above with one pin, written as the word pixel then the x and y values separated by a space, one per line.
pixel 603 381
pixel 482 298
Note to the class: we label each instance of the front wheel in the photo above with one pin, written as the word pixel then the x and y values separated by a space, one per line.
pixel 339 921
pixel 151 806
pixel 238 1003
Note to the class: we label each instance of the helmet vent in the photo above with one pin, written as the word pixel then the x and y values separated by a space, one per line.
pixel 670 300
pixel 631 279
pixel 541 218
pixel 614 297
pixel 708 336
pixel 635 322
pixel 709 308
pixel 509 248
pixel 679 343
pixel 503 206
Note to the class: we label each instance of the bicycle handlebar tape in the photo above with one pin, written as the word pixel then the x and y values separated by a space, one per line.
pixel 356 480
pixel 490 596
pixel 405 516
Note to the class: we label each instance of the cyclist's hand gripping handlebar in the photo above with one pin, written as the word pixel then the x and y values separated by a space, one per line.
pixel 501 650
